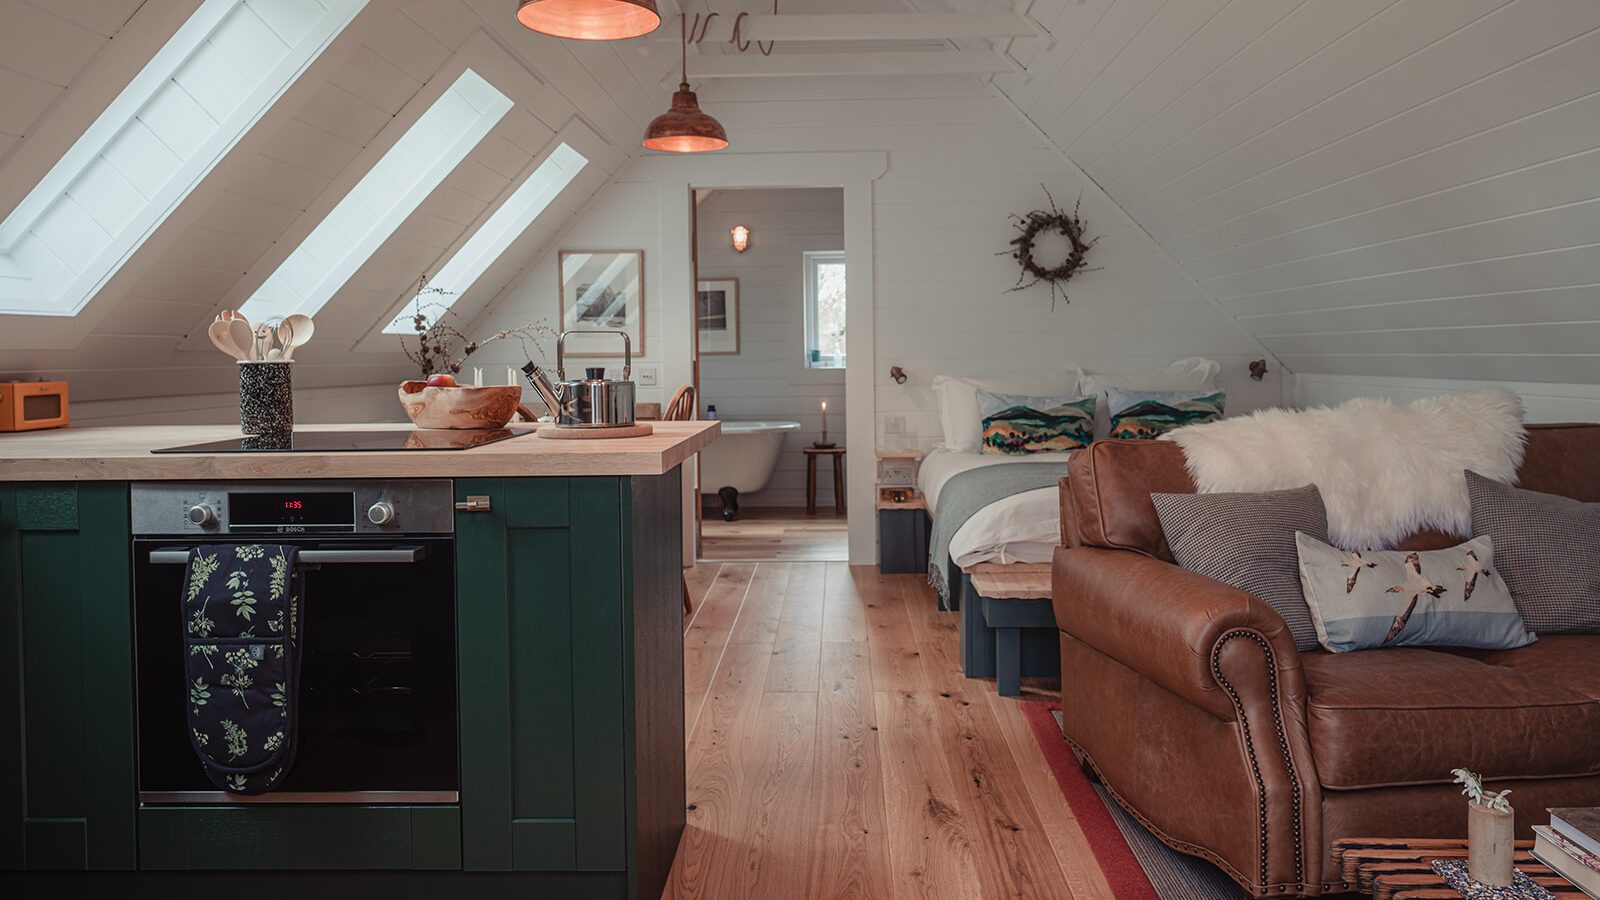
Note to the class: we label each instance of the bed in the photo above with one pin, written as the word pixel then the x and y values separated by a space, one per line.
pixel 1002 509
pixel 987 508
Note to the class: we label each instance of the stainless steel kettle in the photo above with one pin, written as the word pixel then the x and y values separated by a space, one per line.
pixel 593 402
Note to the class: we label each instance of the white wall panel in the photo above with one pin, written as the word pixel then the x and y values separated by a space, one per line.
pixel 1383 188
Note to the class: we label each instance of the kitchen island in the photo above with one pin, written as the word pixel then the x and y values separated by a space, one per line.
pixel 568 591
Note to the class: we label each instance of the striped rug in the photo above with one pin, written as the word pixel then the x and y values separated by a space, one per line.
pixel 1135 863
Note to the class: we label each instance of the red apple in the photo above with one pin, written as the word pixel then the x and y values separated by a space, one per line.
pixel 441 381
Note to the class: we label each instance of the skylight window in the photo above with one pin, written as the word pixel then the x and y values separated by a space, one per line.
pixel 390 191
pixel 488 242
pixel 216 77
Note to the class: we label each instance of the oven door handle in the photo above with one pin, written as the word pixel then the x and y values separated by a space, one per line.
pixel 319 557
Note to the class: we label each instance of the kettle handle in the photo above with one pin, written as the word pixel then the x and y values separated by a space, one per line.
pixel 627 353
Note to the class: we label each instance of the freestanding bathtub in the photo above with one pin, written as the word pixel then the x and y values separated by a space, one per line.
pixel 743 457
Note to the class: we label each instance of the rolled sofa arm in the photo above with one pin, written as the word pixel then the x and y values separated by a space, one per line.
pixel 1169 624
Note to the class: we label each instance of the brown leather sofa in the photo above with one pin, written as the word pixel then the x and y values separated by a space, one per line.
pixel 1188 697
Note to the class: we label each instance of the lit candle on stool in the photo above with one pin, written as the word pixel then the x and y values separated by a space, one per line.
pixel 824 417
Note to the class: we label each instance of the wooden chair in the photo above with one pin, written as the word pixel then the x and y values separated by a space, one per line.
pixel 682 409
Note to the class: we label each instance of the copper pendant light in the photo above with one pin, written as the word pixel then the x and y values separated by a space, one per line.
pixel 684 128
pixel 590 20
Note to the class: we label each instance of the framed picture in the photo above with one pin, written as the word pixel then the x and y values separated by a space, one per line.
pixel 717 312
pixel 602 290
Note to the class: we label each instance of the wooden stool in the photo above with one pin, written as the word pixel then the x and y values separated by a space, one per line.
pixel 1011 600
pixel 811 477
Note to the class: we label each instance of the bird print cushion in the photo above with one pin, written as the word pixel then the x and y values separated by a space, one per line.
pixel 1406 598
pixel 1150 414
pixel 1016 425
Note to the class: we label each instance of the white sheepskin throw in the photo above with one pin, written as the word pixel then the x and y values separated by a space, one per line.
pixel 1385 471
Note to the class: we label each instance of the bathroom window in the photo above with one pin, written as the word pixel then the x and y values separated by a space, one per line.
pixel 825 306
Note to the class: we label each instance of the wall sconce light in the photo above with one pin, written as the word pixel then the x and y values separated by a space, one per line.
pixel 1258 369
pixel 741 238
pixel 898 374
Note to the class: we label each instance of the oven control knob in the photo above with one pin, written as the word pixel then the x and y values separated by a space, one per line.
pixel 380 513
pixel 202 515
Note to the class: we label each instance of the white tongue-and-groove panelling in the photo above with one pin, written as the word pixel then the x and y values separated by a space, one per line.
pixel 1404 190
pixel 147 334
pixel 959 163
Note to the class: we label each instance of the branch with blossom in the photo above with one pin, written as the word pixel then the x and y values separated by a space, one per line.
pixel 441 346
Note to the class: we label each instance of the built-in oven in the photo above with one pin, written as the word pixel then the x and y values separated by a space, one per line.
pixel 378 689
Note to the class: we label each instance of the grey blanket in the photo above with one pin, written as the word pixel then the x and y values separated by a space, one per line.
pixel 966 493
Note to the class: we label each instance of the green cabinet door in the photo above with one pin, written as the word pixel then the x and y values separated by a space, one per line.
pixel 66 692
pixel 540 578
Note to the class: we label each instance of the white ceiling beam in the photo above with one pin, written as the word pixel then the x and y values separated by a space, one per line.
pixel 871 27
pixel 935 62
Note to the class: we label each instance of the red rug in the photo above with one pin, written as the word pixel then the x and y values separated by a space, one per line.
pixel 1123 872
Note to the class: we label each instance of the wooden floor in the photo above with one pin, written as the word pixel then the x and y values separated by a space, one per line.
pixel 836 751
pixel 776 533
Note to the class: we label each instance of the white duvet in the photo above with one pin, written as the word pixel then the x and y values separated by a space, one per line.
pixel 1021 528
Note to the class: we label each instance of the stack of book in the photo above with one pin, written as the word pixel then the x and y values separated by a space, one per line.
pixel 1571 846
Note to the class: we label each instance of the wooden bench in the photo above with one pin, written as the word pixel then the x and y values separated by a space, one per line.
pixel 1009 605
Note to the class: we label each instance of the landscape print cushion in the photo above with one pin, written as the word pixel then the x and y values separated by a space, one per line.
pixel 1549 549
pixel 1454 597
pixel 1017 425
pixel 1149 414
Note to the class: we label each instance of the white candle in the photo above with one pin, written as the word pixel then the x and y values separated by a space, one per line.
pixel 477 376
pixel 513 376
pixel 824 417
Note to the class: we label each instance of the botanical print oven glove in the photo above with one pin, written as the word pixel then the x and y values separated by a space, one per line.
pixel 242 630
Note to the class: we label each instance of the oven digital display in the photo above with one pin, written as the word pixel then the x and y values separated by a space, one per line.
pixel 299 509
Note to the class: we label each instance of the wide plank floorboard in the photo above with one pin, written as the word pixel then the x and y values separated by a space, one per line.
pixel 836 751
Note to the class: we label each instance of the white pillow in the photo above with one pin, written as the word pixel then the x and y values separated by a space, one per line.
pixel 1193 373
pixel 958 400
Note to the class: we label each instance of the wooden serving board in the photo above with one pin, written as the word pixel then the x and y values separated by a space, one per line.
pixel 637 429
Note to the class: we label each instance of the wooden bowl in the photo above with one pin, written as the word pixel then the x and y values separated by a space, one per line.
pixel 459 407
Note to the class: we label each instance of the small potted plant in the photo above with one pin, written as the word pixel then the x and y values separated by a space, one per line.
pixel 1490 821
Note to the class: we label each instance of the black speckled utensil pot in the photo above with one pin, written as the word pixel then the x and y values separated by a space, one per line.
pixel 266 397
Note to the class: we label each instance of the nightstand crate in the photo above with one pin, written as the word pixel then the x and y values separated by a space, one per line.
pixel 903 536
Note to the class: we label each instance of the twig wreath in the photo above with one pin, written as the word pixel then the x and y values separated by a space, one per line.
pixel 1046 221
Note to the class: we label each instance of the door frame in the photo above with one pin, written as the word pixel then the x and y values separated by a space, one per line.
pixel 677 178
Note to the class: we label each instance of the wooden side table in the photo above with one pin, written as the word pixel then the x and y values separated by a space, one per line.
pixel 1401 868
pixel 811 477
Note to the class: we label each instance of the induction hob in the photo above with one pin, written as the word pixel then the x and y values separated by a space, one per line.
pixel 355 441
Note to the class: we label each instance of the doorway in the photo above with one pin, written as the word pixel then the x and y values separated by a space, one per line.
pixel 772 343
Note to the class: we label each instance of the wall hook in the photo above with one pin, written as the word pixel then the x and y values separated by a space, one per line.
pixel 1258 369
pixel 898 374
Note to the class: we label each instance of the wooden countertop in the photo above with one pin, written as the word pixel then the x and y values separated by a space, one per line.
pixel 122 453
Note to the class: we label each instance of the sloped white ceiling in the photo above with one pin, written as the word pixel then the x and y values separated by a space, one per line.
pixel 144 333
pixel 1368 186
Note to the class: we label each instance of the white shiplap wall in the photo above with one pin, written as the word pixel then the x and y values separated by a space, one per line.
pixel 768 379
pixel 1376 188
pixel 959 162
